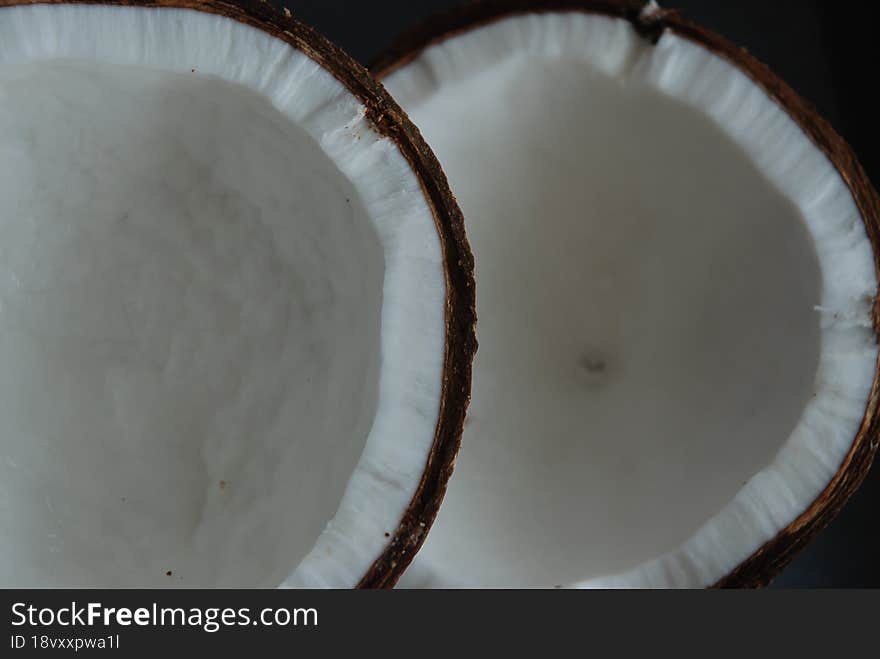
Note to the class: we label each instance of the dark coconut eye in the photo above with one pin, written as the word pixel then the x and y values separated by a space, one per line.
pixel 677 346
pixel 236 305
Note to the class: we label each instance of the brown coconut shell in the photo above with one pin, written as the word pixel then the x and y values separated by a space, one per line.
pixel 768 560
pixel 389 120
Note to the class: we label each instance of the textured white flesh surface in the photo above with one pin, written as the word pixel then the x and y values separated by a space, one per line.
pixel 208 261
pixel 673 292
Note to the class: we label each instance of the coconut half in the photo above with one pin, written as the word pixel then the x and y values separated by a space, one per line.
pixel 677 382
pixel 236 304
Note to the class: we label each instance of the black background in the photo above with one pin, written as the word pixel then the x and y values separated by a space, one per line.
pixel 829 53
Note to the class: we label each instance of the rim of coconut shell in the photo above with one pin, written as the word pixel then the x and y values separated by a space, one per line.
pixel 650 21
pixel 387 119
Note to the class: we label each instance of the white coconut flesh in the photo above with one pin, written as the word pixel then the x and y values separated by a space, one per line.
pixel 221 308
pixel 674 290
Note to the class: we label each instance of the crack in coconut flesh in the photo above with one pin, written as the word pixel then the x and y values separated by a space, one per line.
pixel 210 265
pixel 675 288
